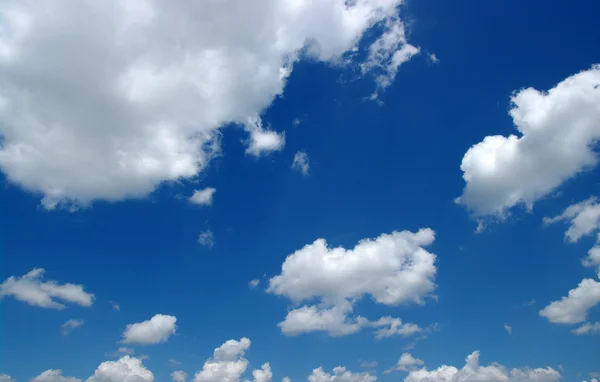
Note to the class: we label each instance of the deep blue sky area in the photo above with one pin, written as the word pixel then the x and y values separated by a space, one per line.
pixel 375 167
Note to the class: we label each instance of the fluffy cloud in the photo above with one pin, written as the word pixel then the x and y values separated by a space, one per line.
pixel 6 378
pixel 406 362
pixel 153 331
pixel 206 238
pixel 584 218
pixel 263 374
pixel 261 140
pixel 393 268
pixel 473 372
pixel 340 374
pixel 31 289
pixel 107 99
pixel 573 309
pixel 179 376
pixel 71 324
pixel 227 364
pixel 558 129
pixel 125 369
pixel 588 328
pixel 203 197
pixel 301 162
pixel 54 376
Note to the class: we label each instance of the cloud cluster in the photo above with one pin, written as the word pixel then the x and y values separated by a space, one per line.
pixel 393 269
pixel 406 363
pixel 472 371
pixel 558 130
pixel 125 369
pixel 153 331
pixel 31 289
pixel 107 99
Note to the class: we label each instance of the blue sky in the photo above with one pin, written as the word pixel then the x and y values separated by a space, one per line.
pixel 96 187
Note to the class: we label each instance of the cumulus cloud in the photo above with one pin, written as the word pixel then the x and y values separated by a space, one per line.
pixel 393 268
pixel 584 218
pixel 558 130
pixel 340 374
pixel 263 374
pixel 227 364
pixel 405 363
pixel 125 369
pixel 107 99
pixel 573 309
pixel 472 371
pixel 31 289
pixel 203 197
pixel 54 376
pixel 262 141
pixel 301 162
pixel 206 238
pixel 71 324
pixel 153 331
pixel 179 376
pixel 588 328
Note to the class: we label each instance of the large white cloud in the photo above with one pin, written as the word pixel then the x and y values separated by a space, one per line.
pixel 30 288
pixel 126 369
pixel 472 371
pixel 584 218
pixel 573 309
pixel 393 268
pixel 54 376
pixel 153 331
pixel 558 130
pixel 107 99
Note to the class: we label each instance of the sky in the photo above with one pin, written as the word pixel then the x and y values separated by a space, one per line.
pixel 331 191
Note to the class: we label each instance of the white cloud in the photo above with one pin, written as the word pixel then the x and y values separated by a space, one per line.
pixel 393 268
pixel 588 328
pixel 140 109
pixel 433 58
pixel 54 376
pixel 71 324
pixel 179 376
pixel 262 141
pixel 253 283
pixel 203 197
pixel 388 52
pixel 173 362
pixel 227 364
pixel 473 372
pixel 263 374
pixel 558 130
pixel 508 328
pixel 406 363
pixel 207 238
pixel 369 365
pixel 6 378
pixel 125 369
pixel 340 374
pixel 31 289
pixel 584 218
pixel 301 162
pixel 153 331
pixel 573 309
pixel 391 326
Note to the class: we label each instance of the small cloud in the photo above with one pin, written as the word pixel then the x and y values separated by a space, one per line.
pixel 254 283
pixel 156 330
pixel 508 328
pixel 179 376
pixel 206 238
pixel 203 197
pixel 123 351
pixel 143 357
pixel 71 324
pixel 368 365
pixel 296 122
pixel 480 226
pixel 406 363
pixel 433 58
pixel 173 362
pixel 115 305
pixel 301 162
pixel 530 302
pixel 262 141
